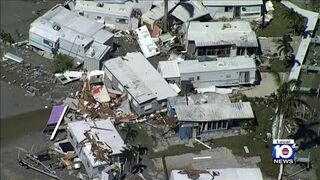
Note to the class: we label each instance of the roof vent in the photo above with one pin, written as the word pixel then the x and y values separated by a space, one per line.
pixel 100 4
pixel 56 27
pixel 221 64
pixel 226 25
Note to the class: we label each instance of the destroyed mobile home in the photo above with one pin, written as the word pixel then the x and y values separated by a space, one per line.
pixel 58 31
pixel 178 13
pixel 98 145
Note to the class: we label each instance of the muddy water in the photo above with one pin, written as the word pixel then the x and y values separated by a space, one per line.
pixel 15 127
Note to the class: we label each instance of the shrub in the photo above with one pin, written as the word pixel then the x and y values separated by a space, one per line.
pixel 6 37
pixel 62 63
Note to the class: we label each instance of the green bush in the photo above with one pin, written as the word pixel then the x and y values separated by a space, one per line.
pixel 6 37
pixel 62 63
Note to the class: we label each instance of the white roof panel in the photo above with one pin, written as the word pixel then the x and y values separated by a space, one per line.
pixel 112 9
pixel 225 33
pixel 64 17
pixel 45 32
pixel 169 69
pixel 231 2
pixel 211 98
pixel 138 76
pixel 147 45
pixel 97 50
pixel 102 36
pixel 222 64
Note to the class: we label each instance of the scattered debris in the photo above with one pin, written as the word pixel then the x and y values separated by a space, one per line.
pixel 68 76
pixel 147 45
pixel 29 160
pixel 246 149
pixel 202 143
pixel 57 113
pixel 12 57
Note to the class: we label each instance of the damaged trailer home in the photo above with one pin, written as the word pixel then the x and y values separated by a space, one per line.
pixel 198 120
pixel 98 144
pixel 114 15
pixel 221 72
pixel 178 13
pixel 221 39
pixel 249 10
pixel 62 31
pixel 133 74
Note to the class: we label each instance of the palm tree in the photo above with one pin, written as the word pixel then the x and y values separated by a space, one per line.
pixel 131 133
pixel 285 47
pixel 296 21
pixel 132 159
pixel 286 96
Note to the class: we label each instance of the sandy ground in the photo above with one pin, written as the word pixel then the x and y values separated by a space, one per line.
pixel 217 158
pixel 267 86
pixel 269 45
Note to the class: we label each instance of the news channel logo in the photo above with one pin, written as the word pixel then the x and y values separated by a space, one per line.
pixel 283 151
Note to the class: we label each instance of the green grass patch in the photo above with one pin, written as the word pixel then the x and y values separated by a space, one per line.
pixel 314 155
pixel 279 66
pixel 279 26
pixel 256 141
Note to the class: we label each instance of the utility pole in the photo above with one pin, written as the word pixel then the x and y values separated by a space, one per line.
pixel 165 16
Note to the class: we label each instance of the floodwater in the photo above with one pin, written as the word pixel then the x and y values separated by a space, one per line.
pixel 17 126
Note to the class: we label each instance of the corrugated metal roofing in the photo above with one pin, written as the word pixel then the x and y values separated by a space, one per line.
pixel 196 99
pixel 214 112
